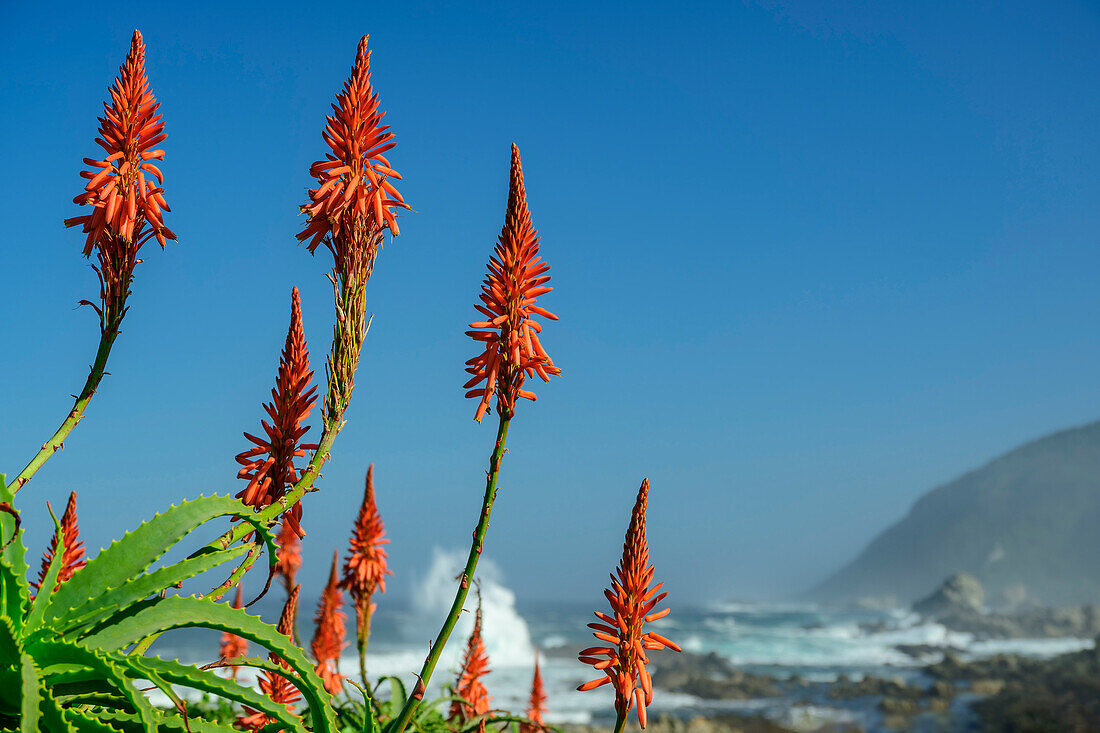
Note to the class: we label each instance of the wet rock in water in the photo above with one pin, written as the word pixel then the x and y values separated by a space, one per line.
pixel 1060 694
pixel 898 699
pixel 723 723
pixel 952 668
pixel 985 687
pixel 710 677
pixel 923 651
pixel 710 665
pixel 846 689
pixel 960 594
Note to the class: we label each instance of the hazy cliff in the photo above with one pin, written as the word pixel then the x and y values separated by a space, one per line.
pixel 1030 518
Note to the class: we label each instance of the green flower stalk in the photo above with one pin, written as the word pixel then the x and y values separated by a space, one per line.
pixel 349 211
pixel 512 351
pixel 127 211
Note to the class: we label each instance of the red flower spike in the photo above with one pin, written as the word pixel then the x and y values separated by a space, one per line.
pixel 517 276
pixel 328 639
pixel 365 569
pixel 355 198
pixel 275 686
pixel 474 698
pixel 290 553
pixel 537 705
pixel 73 559
pixel 127 203
pixel 632 603
pixel 269 465
pixel 233 646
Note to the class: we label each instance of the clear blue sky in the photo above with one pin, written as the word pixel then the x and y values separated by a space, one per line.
pixel 810 260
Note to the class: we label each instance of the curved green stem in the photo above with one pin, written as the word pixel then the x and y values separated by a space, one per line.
pixel 467 578
pixel 620 723
pixel 57 440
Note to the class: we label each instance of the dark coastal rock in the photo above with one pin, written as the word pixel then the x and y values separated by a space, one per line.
pixel 845 689
pixel 960 594
pixel 723 723
pixel 710 677
pixel 709 665
pixel 924 652
pixel 1060 694
pixel 898 700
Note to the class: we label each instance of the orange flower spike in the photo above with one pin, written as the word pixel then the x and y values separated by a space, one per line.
pixel 475 698
pixel 355 182
pixel 73 559
pixel 127 204
pixel 328 639
pixel 290 553
pixel 275 686
pixel 268 466
pixel 233 646
pixel 365 569
pixel 517 276
pixel 537 705
pixel 632 603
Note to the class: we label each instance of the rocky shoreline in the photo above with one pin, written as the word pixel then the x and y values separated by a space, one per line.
pixel 1000 693
pixel 950 692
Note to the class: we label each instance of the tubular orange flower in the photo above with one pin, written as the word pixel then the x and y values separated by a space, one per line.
pixel 365 569
pixel 290 553
pixel 537 705
pixel 328 639
pixel 233 646
pixel 275 686
pixel 516 278
pixel 73 559
pixel 469 687
pixel 349 211
pixel 120 188
pixel 269 464
pixel 632 602
pixel 355 192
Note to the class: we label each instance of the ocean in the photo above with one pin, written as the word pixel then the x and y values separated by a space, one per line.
pixel 816 643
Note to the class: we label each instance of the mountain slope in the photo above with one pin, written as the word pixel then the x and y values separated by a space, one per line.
pixel 1030 517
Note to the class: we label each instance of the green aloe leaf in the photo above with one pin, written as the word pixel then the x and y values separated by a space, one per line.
pixel 128 557
pixel 178 612
pixel 171 722
pixel 84 723
pixel 398 694
pixel 370 720
pixel 11 538
pixel 53 720
pixel 145 585
pixel 10 661
pixel 14 590
pixel 13 596
pixel 47 652
pixel 31 703
pixel 46 589
pixel 195 678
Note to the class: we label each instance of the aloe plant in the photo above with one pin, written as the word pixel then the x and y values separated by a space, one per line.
pixel 66 661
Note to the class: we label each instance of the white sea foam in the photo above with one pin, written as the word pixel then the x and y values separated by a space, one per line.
pixel 507 637
pixel 1028 647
